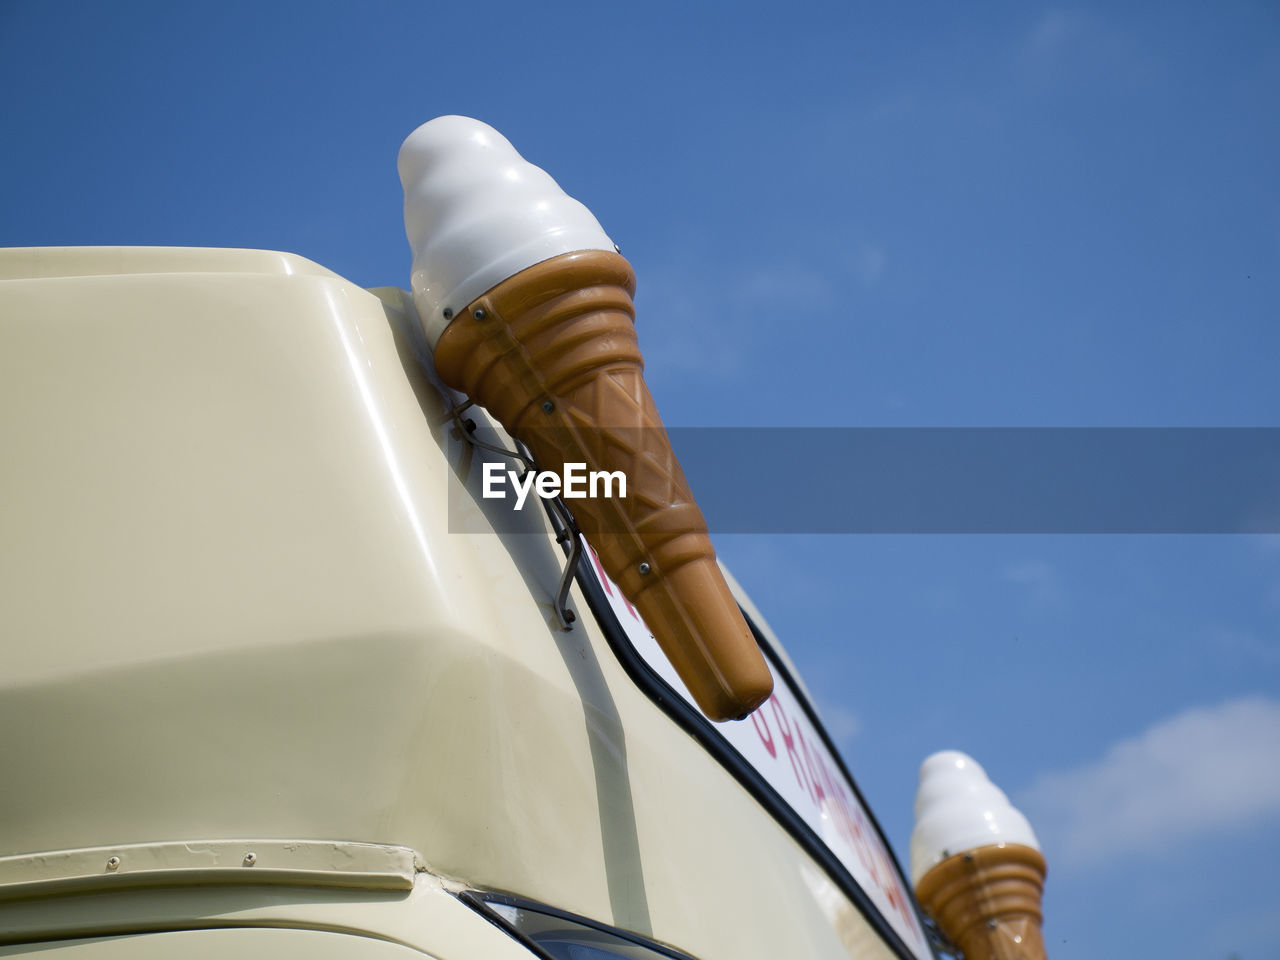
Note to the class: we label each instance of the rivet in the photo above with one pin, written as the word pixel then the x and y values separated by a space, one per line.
pixel 113 863
pixel 250 859
pixel 644 568
pixel 547 406
pixel 448 313
pixel 991 924
pixel 479 313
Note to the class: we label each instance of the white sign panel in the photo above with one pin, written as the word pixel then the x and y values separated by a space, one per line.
pixel 781 743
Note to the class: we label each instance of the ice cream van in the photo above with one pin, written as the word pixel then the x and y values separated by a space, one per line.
pixel 283 678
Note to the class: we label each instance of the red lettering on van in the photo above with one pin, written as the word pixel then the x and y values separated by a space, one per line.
pixel 816 793
pixel 600 574
pixel 761 724
pixel 789 743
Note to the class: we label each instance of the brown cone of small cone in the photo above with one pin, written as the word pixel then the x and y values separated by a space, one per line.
pixel 552 354
pixel 987 901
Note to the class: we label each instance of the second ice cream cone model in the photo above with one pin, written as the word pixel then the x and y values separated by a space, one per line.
pixel 987 901
pixel 544 338
pixel 975 862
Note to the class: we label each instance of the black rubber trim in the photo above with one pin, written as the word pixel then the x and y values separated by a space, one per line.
pixel 701 729
pixel 475 900
pixel 479 901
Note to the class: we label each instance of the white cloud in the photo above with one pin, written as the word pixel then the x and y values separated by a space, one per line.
pixel 780 285
pixel 683 311
pixel 1041 581
pixel 1202 771
pixel 1052 31
pixel 1076 49
pixel 841 722
pixel 680 320
pixel 1245 645
pixel 1267 546
pixel 869 262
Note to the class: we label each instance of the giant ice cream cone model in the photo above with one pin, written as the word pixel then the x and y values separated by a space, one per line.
pixel 975 862
pixel 528 308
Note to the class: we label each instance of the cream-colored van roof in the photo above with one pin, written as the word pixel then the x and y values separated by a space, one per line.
pixel 233 608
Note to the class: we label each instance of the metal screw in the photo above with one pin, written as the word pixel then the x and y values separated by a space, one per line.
pixel 479 313
pixel 250 859
pixel 547 406
pixel 113 863
pixel 448 313
pixel 616 248
pixel 644 568
pixel 991 924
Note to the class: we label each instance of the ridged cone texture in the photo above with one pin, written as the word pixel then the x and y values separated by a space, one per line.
pixel 563 333
pixel 987 901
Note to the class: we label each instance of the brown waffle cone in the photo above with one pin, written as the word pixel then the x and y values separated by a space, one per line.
pixel 987 901
pixel 552 354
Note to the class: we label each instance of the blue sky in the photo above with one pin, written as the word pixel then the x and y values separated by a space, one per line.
pixel 844 214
